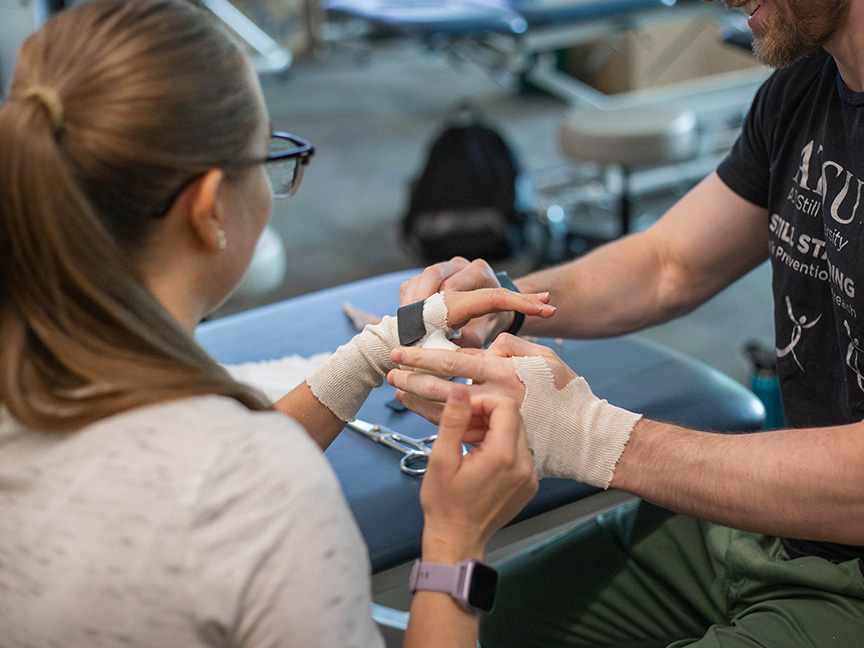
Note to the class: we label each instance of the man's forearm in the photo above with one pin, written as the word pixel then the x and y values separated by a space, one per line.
pixel 613 290
pixel 655 275
pixel 793 483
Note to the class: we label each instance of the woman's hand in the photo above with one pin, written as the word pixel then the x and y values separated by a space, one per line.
pixel 458 274
pixel 467 498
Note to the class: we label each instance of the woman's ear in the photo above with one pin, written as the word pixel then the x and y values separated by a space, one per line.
pixel 203 211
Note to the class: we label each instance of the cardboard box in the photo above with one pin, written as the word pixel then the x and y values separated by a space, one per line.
pixel 656 55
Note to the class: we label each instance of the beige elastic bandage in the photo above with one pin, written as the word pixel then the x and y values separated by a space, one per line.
pixel 343 382
pixel 438 331
pixel 50 99
pixel 572 433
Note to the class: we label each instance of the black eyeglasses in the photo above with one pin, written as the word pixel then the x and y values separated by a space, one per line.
pixel 284 164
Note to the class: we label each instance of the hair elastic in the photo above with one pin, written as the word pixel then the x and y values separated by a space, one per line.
pixel 49 98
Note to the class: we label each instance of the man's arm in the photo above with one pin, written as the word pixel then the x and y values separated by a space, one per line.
pixel 792 483
pixel 707 240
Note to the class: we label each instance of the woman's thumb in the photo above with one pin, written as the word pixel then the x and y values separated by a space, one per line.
pixel 454 423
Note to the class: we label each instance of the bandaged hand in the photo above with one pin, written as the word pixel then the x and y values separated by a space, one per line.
pixel 343 382
pixel 572 433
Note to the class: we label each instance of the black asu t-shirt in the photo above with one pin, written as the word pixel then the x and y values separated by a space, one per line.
pixel 800 155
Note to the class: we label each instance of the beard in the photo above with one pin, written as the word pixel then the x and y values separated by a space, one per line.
pixel 792 29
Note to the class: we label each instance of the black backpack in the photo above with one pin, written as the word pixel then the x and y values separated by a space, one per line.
pixel 468 199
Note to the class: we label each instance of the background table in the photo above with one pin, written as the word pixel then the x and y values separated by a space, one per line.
pixel 642 377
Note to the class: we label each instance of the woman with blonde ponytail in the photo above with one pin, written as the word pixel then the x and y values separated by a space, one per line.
pixel 146 497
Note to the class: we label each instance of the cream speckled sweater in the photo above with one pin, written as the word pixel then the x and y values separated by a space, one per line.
pixel 190 523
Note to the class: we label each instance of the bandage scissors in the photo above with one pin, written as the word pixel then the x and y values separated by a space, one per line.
pixel 415 452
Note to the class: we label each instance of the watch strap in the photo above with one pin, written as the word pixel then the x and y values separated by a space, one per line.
pixel 469 582
pixel 441 577
pixel 436 577
pixel 518 318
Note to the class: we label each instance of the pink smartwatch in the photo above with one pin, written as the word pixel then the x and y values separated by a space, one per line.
pixel 470 583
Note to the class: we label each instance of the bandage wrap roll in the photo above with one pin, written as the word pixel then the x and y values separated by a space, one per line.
pixel 343 382
pixel 572 433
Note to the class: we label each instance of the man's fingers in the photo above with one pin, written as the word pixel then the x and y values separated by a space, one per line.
pixel 509 346
pixel 429 410
pixel 469 338
pixel 425 386
pixel 462 307
pixel 438 362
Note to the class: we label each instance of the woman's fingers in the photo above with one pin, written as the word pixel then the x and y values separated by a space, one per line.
pixel 455 417
pixel 430 280
pixel 477 274
pixel 458 274
pixel 467 498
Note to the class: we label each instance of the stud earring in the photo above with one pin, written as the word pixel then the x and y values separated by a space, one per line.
pixel 223 240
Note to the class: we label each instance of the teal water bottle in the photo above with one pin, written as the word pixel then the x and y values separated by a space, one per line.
pixel 764 383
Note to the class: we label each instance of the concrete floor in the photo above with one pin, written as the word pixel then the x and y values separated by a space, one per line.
pixel 372 116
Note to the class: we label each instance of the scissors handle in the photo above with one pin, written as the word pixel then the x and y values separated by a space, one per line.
pixel 414 463
pixel 415 452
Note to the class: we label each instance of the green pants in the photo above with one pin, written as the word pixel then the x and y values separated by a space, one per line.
pixel 642 576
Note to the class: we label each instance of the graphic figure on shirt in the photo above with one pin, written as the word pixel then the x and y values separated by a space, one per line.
pixel 853 352
pixel 798 326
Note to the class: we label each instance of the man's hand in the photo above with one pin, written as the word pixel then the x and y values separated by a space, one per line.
pixel 491 371
pixel 573 434
pixel 460 275
pixel 463 307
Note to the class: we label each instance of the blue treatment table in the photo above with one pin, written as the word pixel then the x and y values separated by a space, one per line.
pixel 426 18
pixel 467 17
pixel 519 38
pixel 645 378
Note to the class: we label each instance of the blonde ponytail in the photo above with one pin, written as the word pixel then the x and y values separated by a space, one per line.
pixel 95 136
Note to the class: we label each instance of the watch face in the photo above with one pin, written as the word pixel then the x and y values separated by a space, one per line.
pixel 481 593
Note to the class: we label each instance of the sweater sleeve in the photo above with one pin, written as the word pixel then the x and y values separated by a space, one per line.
pixel 274 554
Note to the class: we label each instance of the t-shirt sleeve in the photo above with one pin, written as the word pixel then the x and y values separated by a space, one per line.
pixel 275 556
pixel 746 169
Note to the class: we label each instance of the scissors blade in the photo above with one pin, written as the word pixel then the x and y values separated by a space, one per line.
pixel 389 437
pixel 369 429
